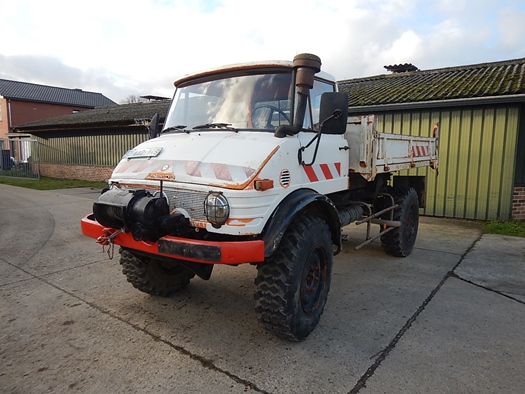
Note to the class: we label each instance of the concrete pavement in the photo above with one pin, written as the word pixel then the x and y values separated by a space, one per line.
pixel 447 319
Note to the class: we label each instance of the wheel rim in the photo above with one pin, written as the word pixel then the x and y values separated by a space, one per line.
pixel 313 280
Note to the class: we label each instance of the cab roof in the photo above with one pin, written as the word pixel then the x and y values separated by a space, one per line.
pixel 246 67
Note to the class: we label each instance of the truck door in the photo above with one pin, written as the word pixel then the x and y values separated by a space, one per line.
pixel 325 160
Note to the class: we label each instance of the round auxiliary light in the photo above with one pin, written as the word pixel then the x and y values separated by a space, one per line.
pixel 216 208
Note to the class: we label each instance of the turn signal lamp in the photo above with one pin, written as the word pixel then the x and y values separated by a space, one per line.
pixel 263 184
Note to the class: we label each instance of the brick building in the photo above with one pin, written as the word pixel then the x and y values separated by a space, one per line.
pixel 22 102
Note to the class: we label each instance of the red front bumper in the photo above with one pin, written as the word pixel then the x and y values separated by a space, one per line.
pixel 207 252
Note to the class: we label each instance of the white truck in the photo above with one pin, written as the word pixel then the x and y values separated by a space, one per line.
pixel 259 163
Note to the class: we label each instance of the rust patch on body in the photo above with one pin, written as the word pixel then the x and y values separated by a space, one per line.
pixel 160 175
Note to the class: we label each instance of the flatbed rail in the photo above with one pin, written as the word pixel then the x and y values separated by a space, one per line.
pixel 372 152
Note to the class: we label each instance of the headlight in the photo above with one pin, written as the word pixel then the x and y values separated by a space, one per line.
pixel 216 208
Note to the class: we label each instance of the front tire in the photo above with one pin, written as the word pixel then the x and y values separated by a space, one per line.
pixel 400 241
pixel 154 276
pixel 293 284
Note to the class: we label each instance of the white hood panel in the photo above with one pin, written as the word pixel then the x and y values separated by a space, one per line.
pixel 226 159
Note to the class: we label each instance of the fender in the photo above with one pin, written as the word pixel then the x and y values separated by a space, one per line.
pixel 296 203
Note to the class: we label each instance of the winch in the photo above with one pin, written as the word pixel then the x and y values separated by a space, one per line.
pixel 145 215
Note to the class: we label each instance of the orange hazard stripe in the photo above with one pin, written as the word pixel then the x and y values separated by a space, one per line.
pixel 326 171
pixel 310 173
pixel 418 151
pixel 323 170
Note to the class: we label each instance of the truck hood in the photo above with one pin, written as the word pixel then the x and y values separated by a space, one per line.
pixel 221 158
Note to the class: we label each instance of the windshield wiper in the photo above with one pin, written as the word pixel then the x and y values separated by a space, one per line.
pixel 171 128
pixel 224 126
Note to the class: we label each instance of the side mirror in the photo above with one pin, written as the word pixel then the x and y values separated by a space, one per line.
pixel 333 113
pixel 154 126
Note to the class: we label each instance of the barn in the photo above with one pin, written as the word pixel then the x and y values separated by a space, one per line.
pixel 481 112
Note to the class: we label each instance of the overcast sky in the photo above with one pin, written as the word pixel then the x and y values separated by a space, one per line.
pixel 139 47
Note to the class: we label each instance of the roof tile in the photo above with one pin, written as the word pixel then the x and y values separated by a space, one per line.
pixel 25 91
pixel 100 117
pixel 472 81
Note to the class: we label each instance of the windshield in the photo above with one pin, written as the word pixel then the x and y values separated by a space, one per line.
pixel 244 102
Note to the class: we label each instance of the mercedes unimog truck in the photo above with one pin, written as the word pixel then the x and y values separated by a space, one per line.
pixel 259 163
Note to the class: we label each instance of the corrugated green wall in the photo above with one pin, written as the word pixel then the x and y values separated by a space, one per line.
pixel 477 153
pixel 519 179
pixel 477 156
pixel 83 149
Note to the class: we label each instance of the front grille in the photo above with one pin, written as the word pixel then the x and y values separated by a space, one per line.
pixel 191 201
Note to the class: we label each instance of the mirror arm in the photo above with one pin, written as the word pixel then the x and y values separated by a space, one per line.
pixel 335 115
pixel 303 148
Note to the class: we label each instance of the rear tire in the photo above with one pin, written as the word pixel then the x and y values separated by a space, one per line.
pixel 154 276
pixel 400 241
pixel 293 284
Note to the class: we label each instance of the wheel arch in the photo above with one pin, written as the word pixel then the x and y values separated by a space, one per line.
pixel 302 201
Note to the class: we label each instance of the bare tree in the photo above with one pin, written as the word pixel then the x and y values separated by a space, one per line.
pixel 131 99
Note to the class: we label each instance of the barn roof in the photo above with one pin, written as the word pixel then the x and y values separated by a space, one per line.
pixel 486 82
pixel 501 81
pixel 25 91
pixel 101 117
